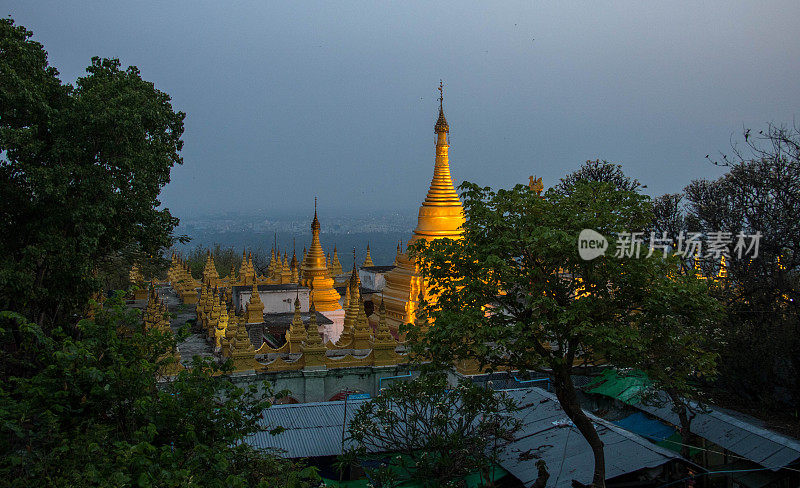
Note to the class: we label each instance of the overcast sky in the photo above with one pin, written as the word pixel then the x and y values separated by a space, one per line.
pixel 290 100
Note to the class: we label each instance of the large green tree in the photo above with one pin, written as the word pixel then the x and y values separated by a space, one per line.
pixel 759 195
pixel 100 412
pixel 84 402
pixel 81 168
pixel 435 433
pixel 514 292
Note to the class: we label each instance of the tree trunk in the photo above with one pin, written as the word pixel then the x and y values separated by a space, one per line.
pixel 686 422
pixel 568 398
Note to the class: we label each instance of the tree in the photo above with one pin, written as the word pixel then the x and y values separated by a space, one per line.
pixel 515 293
pixel 601 172
pixel 85 402
pixel 436 433
pixel 81 168
pixel 99 412
pixel 759 194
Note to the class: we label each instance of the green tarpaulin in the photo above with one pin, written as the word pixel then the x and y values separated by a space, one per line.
pixel 627 389
pixel 473 480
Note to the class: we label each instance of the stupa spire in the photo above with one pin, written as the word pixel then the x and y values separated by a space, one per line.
pixel 315 271
pixel 368 259
pixel 315 259
pixel 440 216
pixel 297 331
pixel 441 123
pixel 441 213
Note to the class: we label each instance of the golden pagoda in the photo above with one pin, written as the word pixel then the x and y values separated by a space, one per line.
pixel 232 276
pixel 368 259
pixel 220 329
pixel 273 267
pixel 255 307
pixel 137 278
pixel 315 273
pixel 244 270
pixel 286 273
pixel 296 334
pixel 294 268
pixel 336 265
pixel 230 332
pixel 213 316
pixel 313 348
pixel 362 332
pixel 210 274
pixel 383 343
pixel 351 315
pixel 240 349
pixel 440 216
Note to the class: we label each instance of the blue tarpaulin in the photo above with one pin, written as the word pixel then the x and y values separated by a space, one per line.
pixel 648 428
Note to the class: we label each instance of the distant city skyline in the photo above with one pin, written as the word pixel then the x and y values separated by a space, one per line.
pixel 290 101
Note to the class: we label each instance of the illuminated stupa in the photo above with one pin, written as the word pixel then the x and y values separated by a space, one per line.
pixel 315 272
pixel 440 216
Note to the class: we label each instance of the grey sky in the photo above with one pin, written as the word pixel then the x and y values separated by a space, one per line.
pixel 290 100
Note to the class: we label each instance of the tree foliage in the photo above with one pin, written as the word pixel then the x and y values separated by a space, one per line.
pixel 436 433
pixel 85 402
pixel 81 168
pixel 515 293
pixel 759 194
pixel 99 412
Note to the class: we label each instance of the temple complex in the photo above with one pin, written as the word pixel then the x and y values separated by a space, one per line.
pixel 307 314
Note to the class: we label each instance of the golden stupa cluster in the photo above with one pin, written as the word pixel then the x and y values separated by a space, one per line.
pixel 358 345
pixel 363 341
pixel 227 330
pixel 156 316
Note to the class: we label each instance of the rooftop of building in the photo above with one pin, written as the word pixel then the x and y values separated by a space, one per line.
pixel 280 287
pixel 378 269
pixel 285 318
pixel 315 430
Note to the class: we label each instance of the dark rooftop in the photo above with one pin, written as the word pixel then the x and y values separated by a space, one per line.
pixel 286 318
pixel 378 269
pixel 362 289
pixel 282 287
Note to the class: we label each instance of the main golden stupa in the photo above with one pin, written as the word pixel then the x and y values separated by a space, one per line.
pixel 440 216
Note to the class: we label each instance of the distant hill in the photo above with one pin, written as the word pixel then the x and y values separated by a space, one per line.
pixel 382 232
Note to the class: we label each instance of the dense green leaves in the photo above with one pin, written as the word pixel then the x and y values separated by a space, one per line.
pixel 81 169
pixel 759 194
pixel 434 433
pixel 85 402
pixel 100 413
pixel 514 292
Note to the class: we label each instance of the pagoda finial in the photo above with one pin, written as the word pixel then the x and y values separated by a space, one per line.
pixel 441 123
pixel 315 222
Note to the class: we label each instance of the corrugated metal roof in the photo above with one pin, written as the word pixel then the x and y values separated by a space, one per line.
pixel 564 449
pixel 315 429
pixel 311 429
pixel 744 438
